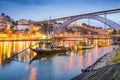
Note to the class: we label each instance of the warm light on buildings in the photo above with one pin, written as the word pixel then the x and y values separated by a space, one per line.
pixel 44 36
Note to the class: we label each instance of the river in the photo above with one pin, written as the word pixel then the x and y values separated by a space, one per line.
pixel 29 66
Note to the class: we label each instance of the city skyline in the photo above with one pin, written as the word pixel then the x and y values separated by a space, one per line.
pixel 42 9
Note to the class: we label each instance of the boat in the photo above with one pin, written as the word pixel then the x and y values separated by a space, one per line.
pixel 49 48
pixel 103 44
pixel 48 51
pixel 85 46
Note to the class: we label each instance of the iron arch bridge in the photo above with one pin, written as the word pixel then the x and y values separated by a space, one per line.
pixel 93 15
pixel 108 22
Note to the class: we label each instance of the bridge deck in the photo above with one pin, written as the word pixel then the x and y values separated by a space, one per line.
pixel 96 13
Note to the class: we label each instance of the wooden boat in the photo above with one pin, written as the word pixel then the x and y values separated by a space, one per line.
pixel 49 50
pixel 103 45
pixel 85 46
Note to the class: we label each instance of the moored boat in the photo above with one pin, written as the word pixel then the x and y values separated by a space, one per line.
pixel 85 46
pixel 49 50
pixel 103 45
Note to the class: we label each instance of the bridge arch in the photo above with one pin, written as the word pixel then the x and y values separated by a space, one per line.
pixel 108 22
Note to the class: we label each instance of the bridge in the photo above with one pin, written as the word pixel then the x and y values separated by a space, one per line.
pixel 93 15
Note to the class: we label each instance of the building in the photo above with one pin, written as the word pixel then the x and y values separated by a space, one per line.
pixel 21 27
pixel 23 22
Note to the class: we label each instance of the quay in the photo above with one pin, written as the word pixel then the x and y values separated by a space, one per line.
pixel 109 72
pixel 103 69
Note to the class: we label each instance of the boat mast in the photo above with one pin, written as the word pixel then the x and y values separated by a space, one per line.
pixel 48 32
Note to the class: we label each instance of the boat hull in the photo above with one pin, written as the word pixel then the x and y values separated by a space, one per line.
pixel 103 45
pixel 85 47
pixel 48 51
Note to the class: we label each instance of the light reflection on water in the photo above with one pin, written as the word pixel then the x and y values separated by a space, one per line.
pixel 29 66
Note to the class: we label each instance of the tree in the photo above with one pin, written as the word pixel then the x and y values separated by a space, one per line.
pixel 114 32
pixel 2 14
pixel 70 31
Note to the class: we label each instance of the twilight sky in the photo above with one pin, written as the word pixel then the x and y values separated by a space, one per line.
pixel 42 9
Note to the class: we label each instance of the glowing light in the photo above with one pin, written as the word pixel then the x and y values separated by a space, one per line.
pixel 33 74
pixel 44 36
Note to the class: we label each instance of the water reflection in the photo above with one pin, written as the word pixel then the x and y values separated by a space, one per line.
pixel 89 61
pixel 33 74
pixel 81 61
pixel 7 49
pixel 46 56
pixel 45 67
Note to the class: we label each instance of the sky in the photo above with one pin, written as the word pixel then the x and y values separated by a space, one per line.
pixel 41 9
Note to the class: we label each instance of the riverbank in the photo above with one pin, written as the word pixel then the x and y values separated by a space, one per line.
pixel 103 69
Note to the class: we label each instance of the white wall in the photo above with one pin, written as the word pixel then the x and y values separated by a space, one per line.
pixel 21 27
